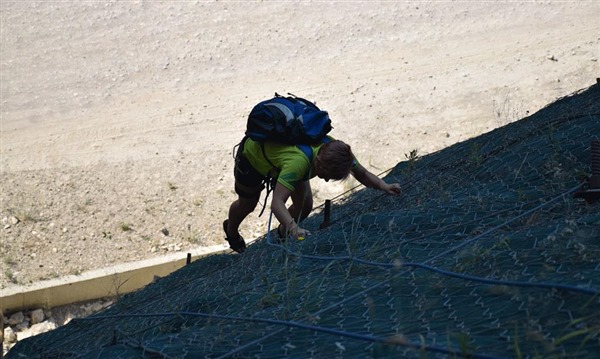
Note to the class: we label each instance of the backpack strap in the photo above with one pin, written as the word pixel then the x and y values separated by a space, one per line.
pixel 308 151
pixel 268 181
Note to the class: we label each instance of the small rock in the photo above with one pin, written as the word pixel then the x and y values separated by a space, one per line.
pixel 22 326
pixel 96 307
pixel 172 247
pixel 9 335
pixel 68 318
pixel 37 316
pixel 107 304
pixel 42 327
pixel 14 220
pixel 16 318
pixel 23 335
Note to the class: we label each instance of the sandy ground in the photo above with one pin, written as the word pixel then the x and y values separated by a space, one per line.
pixel 119 117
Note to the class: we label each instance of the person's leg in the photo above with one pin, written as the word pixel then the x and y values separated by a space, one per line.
pixel 241 208
pixel 248 186
pixel 302 202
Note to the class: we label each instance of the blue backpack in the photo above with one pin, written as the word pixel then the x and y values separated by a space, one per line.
pixel 291 120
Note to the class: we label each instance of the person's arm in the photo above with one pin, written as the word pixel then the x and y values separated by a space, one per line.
pixel 370 180
pixel 280 197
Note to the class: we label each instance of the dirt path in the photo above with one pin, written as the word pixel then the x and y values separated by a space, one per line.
pixel 118 118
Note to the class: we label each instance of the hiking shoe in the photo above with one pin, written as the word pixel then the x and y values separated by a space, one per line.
pixel 281 237
pixel 237 244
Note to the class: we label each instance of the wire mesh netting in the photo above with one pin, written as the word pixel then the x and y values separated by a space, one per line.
pixel 485 254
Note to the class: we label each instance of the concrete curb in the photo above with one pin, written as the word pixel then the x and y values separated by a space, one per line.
pixel 100 283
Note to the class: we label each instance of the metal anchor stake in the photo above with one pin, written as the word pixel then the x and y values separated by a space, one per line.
pixel 326 215
pixel 592 191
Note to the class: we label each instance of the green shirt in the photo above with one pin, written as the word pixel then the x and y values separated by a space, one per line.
pixel 291 164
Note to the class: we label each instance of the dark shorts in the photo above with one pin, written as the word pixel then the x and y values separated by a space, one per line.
pixel 246 175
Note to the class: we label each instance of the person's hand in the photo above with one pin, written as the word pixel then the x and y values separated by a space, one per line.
pixel 392 188
pixel 298 233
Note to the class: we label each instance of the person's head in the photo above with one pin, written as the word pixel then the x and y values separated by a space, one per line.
pixel 334 161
